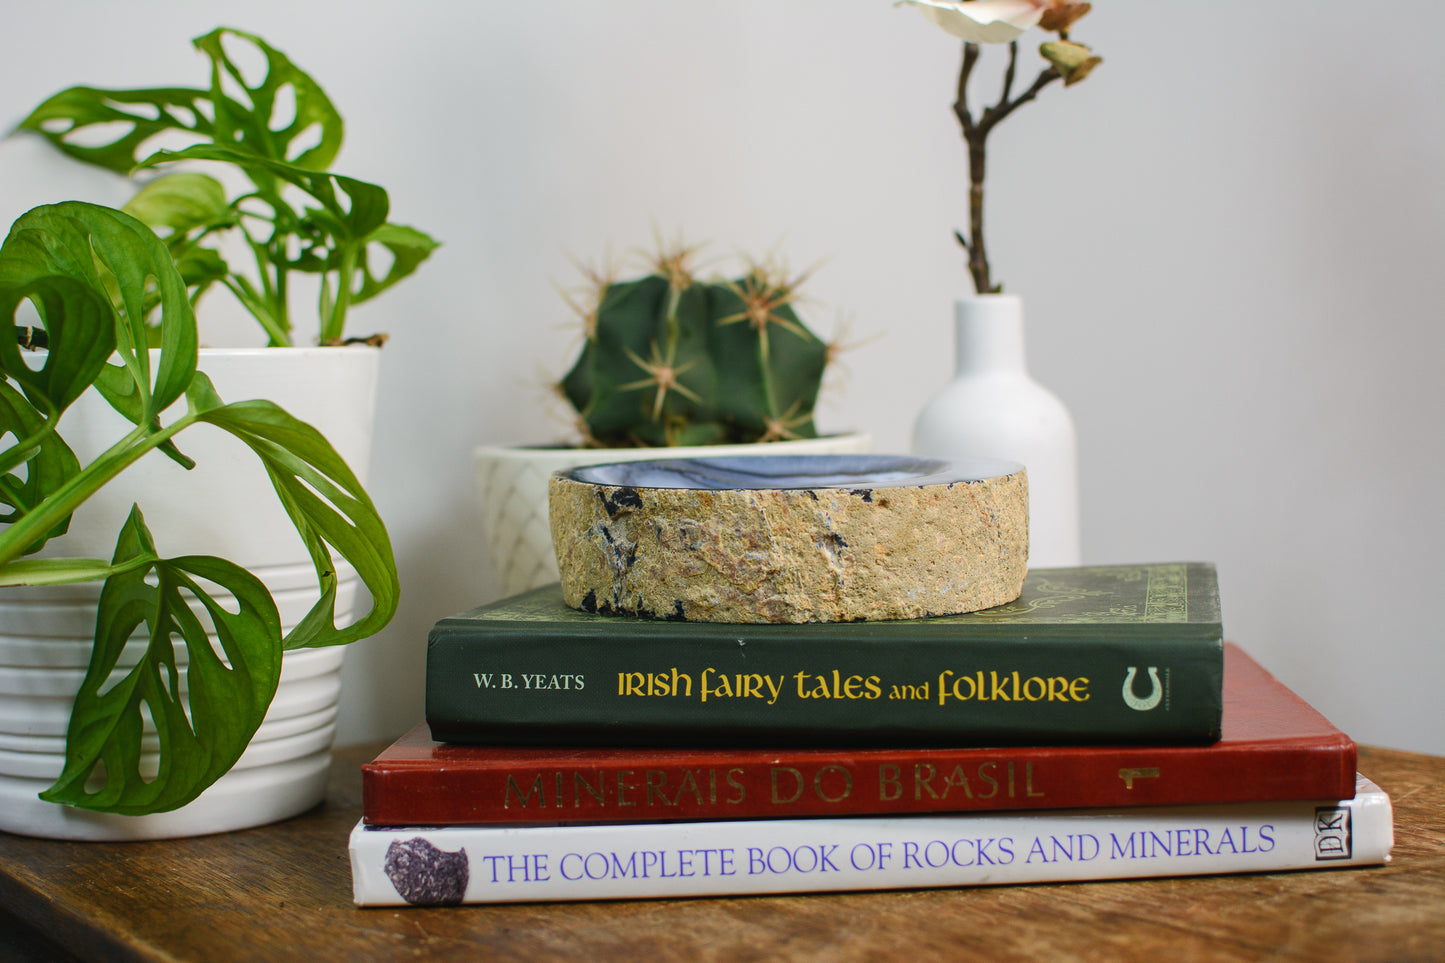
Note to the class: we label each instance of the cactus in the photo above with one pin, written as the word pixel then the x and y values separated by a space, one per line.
pixel 671 360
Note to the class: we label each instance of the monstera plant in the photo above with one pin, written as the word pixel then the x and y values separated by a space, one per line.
pixel 103 287
pixel 104 303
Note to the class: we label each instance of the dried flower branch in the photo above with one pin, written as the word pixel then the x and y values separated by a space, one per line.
pixel 1002 21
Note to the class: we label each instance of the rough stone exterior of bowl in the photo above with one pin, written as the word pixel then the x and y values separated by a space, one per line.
pixel 791 555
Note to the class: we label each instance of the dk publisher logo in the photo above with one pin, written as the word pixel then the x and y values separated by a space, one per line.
pixel 1332 833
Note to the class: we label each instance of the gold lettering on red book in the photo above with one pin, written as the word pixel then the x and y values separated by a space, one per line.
pixel 742 795
pixel 624 787
pixel 689 786
pixel 821 776
pixel 656 780
pixel 598 792
pixel 890 782
pixel 792 775
pixel 524 799
pixel 1029 781
pixel 985 774
pixel 1129 775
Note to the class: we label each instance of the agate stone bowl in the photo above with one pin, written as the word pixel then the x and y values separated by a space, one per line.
pixel 795 538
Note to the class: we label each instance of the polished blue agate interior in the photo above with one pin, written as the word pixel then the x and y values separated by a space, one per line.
pixel 759 472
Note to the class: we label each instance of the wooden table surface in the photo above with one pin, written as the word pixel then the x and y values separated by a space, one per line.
pixel 283 892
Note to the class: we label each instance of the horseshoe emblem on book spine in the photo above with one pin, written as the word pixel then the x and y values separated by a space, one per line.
pixel 1156 691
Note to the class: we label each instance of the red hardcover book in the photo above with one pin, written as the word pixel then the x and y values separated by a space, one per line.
pixel 1275 746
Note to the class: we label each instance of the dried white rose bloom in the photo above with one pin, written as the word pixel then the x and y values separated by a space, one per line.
pixel 983 21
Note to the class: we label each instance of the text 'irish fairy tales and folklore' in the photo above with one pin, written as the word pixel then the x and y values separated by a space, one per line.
pixel 833 684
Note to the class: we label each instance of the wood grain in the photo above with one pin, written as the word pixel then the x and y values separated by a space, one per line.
pixel 283 893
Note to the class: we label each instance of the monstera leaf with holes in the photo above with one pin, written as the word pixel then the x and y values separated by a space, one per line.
pixel 104 288
pixel 282 132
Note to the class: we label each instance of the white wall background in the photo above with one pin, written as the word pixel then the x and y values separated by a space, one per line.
pixel 1229 240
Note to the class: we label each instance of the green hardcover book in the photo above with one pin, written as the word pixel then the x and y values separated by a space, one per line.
pixel 1102 654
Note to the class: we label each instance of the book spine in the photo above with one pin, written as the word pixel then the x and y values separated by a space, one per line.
pixel 397 867
pixel 504 685
pixel 753 784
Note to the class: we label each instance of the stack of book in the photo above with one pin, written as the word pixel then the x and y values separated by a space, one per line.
pixel 1098 727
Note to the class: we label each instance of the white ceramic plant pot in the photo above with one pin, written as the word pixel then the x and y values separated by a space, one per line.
pixel 225 507
pixel 512 486
pixel 992 408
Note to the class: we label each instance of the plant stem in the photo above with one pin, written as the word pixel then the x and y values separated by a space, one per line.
pixel 283 308
pixel 332 327
pixel 63 571
pixel 273 310
pixel 975 135
pixel 70 496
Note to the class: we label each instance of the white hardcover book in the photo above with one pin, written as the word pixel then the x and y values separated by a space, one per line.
pixel 575 861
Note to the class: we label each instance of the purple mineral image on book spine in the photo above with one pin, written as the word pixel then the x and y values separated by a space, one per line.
pixel 426 876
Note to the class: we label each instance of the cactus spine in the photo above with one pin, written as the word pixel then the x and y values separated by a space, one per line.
pixel 671 360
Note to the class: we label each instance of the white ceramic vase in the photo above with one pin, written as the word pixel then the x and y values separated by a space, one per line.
pixel 512 488
pixel 992 408
pixel 225 507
